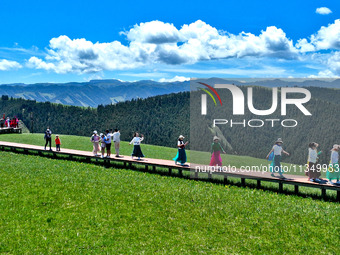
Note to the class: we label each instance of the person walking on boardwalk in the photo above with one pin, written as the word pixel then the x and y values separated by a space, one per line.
pixel 57 143
pixel 103 143
pixel 108 142
pixel 95 139
pixel 181 156
pixel 313 170
pixel 277 151
pixel 137 151
pixel 48 138
pixel 216 150
pixel 333 172
pixel 116 140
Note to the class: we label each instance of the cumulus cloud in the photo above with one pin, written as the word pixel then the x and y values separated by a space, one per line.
pixel 323 11
pixel 333 66
pixel 174 79
pixel 157 42
pixel 6 65
pixel 155 32
pixel 328 37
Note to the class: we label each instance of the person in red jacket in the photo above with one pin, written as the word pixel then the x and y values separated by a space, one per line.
pixel 57 143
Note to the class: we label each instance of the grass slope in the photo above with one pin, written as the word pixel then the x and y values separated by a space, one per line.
pixel 56 206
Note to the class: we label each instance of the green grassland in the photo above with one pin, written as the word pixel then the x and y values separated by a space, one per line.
pixel 150 151
pixel 52 206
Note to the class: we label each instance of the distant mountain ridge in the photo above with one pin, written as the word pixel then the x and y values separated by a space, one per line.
pixel 104 92
pixel 92 93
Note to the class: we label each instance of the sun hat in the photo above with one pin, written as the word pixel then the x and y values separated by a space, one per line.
pixel 279 140
pixel 336 147
pixel 181 137
pixel 216 138
pixel 95 132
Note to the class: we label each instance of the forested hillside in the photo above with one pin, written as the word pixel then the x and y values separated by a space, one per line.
pixel 162 118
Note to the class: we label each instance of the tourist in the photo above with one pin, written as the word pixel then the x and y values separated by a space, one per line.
pixel 48 138
pixel 116 140
pixel 57 142
pixel 276 163
pixel 216 150
pixel 95 139
pixel 8 122
pixel 137 152
pixel 108 142
pixel 313 170
pixel 181 156
pixel 333 172
pixel 103 143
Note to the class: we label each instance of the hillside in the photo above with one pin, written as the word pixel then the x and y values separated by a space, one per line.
pixel 56 206
pixel 92 93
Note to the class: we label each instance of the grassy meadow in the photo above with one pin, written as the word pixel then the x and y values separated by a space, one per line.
pixel 52 206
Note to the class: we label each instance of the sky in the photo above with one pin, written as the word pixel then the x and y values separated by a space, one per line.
pixel 63 41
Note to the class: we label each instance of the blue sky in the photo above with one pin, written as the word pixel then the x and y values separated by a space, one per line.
pixel 60 41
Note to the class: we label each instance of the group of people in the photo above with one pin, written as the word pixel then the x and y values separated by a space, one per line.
pixel 103 142
pixel 313 169
pixel 8 122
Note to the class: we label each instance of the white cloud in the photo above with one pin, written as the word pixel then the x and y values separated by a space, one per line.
pixel 326 38
pixel 174 79
pixel 157 42
pixel 323 11
pixel 333 66
pixel 6 65
pixel 155 32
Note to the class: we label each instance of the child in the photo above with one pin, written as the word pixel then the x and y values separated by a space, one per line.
pixel 137 152
pixel 276 164
pixel 95 140
pixel 57 143
pixel 333 171
pixel 181 156
pixel 103 143
pixel 313 172
pixel 216 150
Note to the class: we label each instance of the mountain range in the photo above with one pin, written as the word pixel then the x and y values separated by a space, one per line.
pixel 104 92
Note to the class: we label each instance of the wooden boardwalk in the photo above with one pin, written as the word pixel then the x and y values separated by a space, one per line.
pixel 151 164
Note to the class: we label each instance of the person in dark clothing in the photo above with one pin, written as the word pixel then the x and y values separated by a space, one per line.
pixel 48 138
